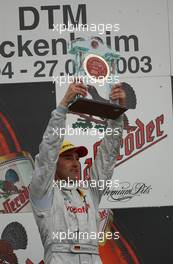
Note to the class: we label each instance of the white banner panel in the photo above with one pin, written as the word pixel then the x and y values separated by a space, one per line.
pixel 144 166
pixel 31 50
pixel 146 173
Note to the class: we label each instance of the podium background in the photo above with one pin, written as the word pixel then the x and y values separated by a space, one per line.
pixel 146 64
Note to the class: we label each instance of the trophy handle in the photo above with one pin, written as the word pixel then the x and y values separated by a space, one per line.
pixel 114 102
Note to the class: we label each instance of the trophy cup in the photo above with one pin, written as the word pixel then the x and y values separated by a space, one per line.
pixel 95 65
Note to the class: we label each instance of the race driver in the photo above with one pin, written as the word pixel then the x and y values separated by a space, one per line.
pixel 71 211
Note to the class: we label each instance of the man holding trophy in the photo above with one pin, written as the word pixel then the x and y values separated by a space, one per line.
pixel 67 217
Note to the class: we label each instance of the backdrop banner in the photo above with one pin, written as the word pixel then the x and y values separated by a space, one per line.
pixel 35 71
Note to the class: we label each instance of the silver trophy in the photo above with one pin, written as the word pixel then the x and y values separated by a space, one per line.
pixel 95 65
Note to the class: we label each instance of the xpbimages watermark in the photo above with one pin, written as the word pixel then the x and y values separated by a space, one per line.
pixel 92 183
pixel 100 236
pixel 100 80
pixel 70 131
pixel 100 28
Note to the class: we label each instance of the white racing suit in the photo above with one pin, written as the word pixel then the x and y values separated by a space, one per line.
pixel 64 211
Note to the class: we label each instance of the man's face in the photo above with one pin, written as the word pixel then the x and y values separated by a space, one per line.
pixel 68 166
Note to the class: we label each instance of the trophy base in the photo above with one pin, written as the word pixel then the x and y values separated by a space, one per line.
pixel 96 108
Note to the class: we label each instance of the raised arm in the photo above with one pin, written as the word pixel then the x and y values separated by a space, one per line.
pixel 46 160
pixel 103 166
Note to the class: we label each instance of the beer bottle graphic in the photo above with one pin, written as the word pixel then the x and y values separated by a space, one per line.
pixel 16 168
